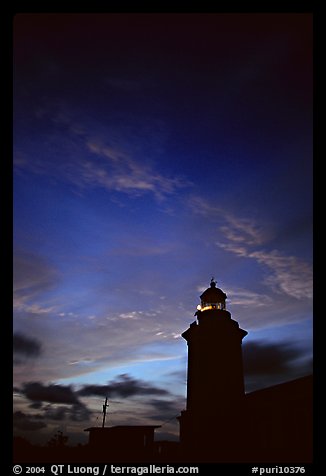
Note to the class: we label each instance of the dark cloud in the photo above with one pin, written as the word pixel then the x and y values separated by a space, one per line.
pixel 36 405
pixel 26 346
pixel 166 407
pixel 307 367
pixel 56 413
pixel 268 358
pixel 63 401
pixel 77 412
pixel 167 410
pixel 37 392
pixel 123 386
pixel 18 361
pixel 179 375
pixel 21 421
pixel 32 422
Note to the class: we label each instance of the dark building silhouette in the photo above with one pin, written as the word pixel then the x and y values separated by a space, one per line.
pixel 279 422
pixel 215 382
pixel 122 442
pixel 223 424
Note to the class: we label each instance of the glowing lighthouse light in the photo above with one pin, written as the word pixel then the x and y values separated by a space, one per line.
pixel 209 306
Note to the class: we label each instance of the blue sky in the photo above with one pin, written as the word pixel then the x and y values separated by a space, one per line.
pixel 152 152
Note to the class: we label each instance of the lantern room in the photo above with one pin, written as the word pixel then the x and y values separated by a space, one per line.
pixel 212 298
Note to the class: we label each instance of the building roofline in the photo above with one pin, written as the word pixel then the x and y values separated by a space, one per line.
pixel 297 381
pixel 129 427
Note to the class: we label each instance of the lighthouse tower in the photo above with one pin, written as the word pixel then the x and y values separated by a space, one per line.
pixel 215 383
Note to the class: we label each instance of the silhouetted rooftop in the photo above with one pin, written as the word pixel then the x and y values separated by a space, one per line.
pixel 299 388
pixel 123 427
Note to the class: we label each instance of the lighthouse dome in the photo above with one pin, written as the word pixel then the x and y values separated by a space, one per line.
pixel 213 297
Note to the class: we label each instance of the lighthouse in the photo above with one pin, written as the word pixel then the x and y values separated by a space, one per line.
pixel 215 383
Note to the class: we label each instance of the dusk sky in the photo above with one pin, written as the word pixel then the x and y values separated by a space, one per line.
pixel 151 153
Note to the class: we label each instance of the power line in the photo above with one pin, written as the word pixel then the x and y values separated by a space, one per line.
pixel 167 421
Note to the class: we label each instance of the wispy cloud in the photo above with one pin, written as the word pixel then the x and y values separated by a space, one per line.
pixel 235 229
pixel 96 160
pixel 244 238
pixel 31 273
pixel 288 274
pixel 123 173
pixel 102 340
pixel 32 277
pixel 242 230
pixel 247 298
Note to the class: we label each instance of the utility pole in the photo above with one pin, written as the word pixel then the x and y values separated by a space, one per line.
pixel 104 410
